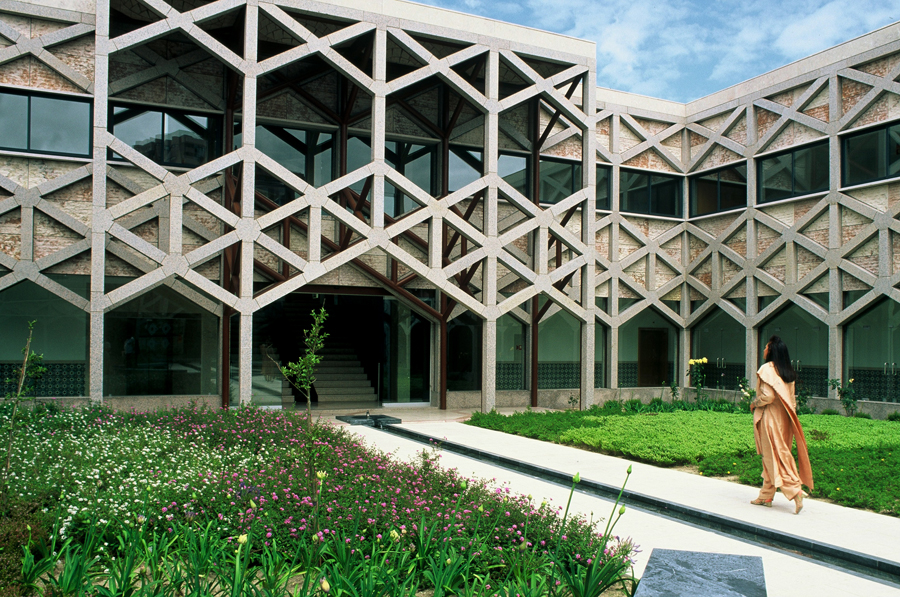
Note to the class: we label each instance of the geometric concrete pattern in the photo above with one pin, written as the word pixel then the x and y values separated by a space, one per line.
pixel 207 244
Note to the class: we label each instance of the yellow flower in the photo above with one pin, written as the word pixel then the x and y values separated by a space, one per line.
pixel 324 585
pixel 242 539
pixel 851 380
pixel 395 536
pixel 321 475
pixel 838 488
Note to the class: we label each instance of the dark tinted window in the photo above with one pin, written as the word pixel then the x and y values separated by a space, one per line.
pixel 45 124
pixel 799 172
pixel 871 155
pixel 653 194
pixel 168 137
pixel 559 179
pixel 719 191
pixel 465 166
pixel 603 180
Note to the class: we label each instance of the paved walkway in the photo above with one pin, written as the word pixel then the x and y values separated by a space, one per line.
pixel 786 574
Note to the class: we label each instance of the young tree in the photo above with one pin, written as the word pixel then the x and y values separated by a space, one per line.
pixel 301 374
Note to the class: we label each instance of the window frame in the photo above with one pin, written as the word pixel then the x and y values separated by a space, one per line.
pixel 216 142
pixel 886 148
pixel 650 174
pixel 529 169
pixel 692 180
pixel 54 96
pixel 792 151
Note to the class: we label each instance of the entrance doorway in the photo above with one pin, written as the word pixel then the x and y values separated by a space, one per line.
pixel 653 362
pixel 378 350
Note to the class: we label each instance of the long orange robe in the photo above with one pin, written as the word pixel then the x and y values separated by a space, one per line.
pixel 775 427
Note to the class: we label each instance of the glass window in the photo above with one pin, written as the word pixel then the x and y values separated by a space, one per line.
pixel 464 353
pixel 65 354
pixel 798 172
pixel 871 155
pixel 559 350
pixel 169 137
pixel 417 163
pixel 14 121
pixel 559 179
pixel 654 194
pixel 872 352
pixel 160 343
pixel 717 338
pixel 45 124
pixel 510 353
pixel 466 166
pixel 602 189
pixel 514 170
pixel 807 340
pixel 308 154
pixel 719 191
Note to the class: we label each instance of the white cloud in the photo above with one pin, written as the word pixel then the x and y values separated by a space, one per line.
pixel 684 49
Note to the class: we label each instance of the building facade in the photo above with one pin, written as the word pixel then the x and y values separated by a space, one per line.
pixel 182 182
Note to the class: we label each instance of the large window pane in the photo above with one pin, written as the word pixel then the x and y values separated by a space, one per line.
pixel 465 167
pixel 648 351
pixel 559 351
pixel 60 126
pixel 864 157
pixel 807 341
pixel 705 194
pixel 872 352
pixel 733 187
pixel 161 344
pixel 510 353
pixel 514 170
pixel 893 151
pixel 185 140
pixel 65 354
pixel 602 192
pixel 776 178
pixel 464 353
pixel 13 121
pixel 140 130
pixel 665 195
pixel 719 338
pixel 417 163
pixel 811 169
pixel 559 180
pixel 634 192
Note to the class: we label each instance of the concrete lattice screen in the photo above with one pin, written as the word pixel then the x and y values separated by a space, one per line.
pixel 191 230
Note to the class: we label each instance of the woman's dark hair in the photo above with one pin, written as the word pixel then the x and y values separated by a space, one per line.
pixel 778 356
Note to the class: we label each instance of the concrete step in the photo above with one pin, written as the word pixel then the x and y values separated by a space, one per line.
pixel 327 376
pixel 347 398
pixel 361 391
pixel 342 382
pixel 339 357
pixel 337 369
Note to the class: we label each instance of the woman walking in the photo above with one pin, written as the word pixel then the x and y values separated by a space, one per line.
pixel 775 426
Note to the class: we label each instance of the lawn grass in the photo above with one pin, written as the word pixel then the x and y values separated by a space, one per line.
pixel 853 459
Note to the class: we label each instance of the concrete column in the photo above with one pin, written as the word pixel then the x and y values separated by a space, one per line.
pixel 589 238
pixel 96 332
pixel 489 364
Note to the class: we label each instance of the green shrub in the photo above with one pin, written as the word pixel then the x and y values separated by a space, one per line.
pixel 634 406
pixel 13 535
pixel 830 411
pixel 612 406
pixel 894 416
pixel 862 416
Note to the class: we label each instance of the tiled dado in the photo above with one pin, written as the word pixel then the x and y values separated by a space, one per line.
pixel 61 380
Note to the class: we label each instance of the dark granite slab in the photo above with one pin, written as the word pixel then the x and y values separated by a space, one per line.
pixel 675 573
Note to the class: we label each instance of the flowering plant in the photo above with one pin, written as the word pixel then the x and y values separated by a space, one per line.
pixel 847 394
pixel 697 371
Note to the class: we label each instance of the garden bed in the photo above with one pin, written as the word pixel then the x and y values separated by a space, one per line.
pixel 853 459
pixel 265 488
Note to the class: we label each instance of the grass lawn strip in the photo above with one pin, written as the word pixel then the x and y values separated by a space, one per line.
pixel 853 460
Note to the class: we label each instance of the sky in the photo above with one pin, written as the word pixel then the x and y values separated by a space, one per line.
pixel 682 50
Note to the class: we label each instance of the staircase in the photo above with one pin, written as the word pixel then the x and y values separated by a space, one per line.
pixel 340 377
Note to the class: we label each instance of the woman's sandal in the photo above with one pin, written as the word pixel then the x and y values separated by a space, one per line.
pixel 761 502
pixel 798 501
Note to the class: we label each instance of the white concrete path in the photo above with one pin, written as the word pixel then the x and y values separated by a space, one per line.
pixel 786 575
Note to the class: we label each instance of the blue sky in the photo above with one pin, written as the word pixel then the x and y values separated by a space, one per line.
pixel 685 49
